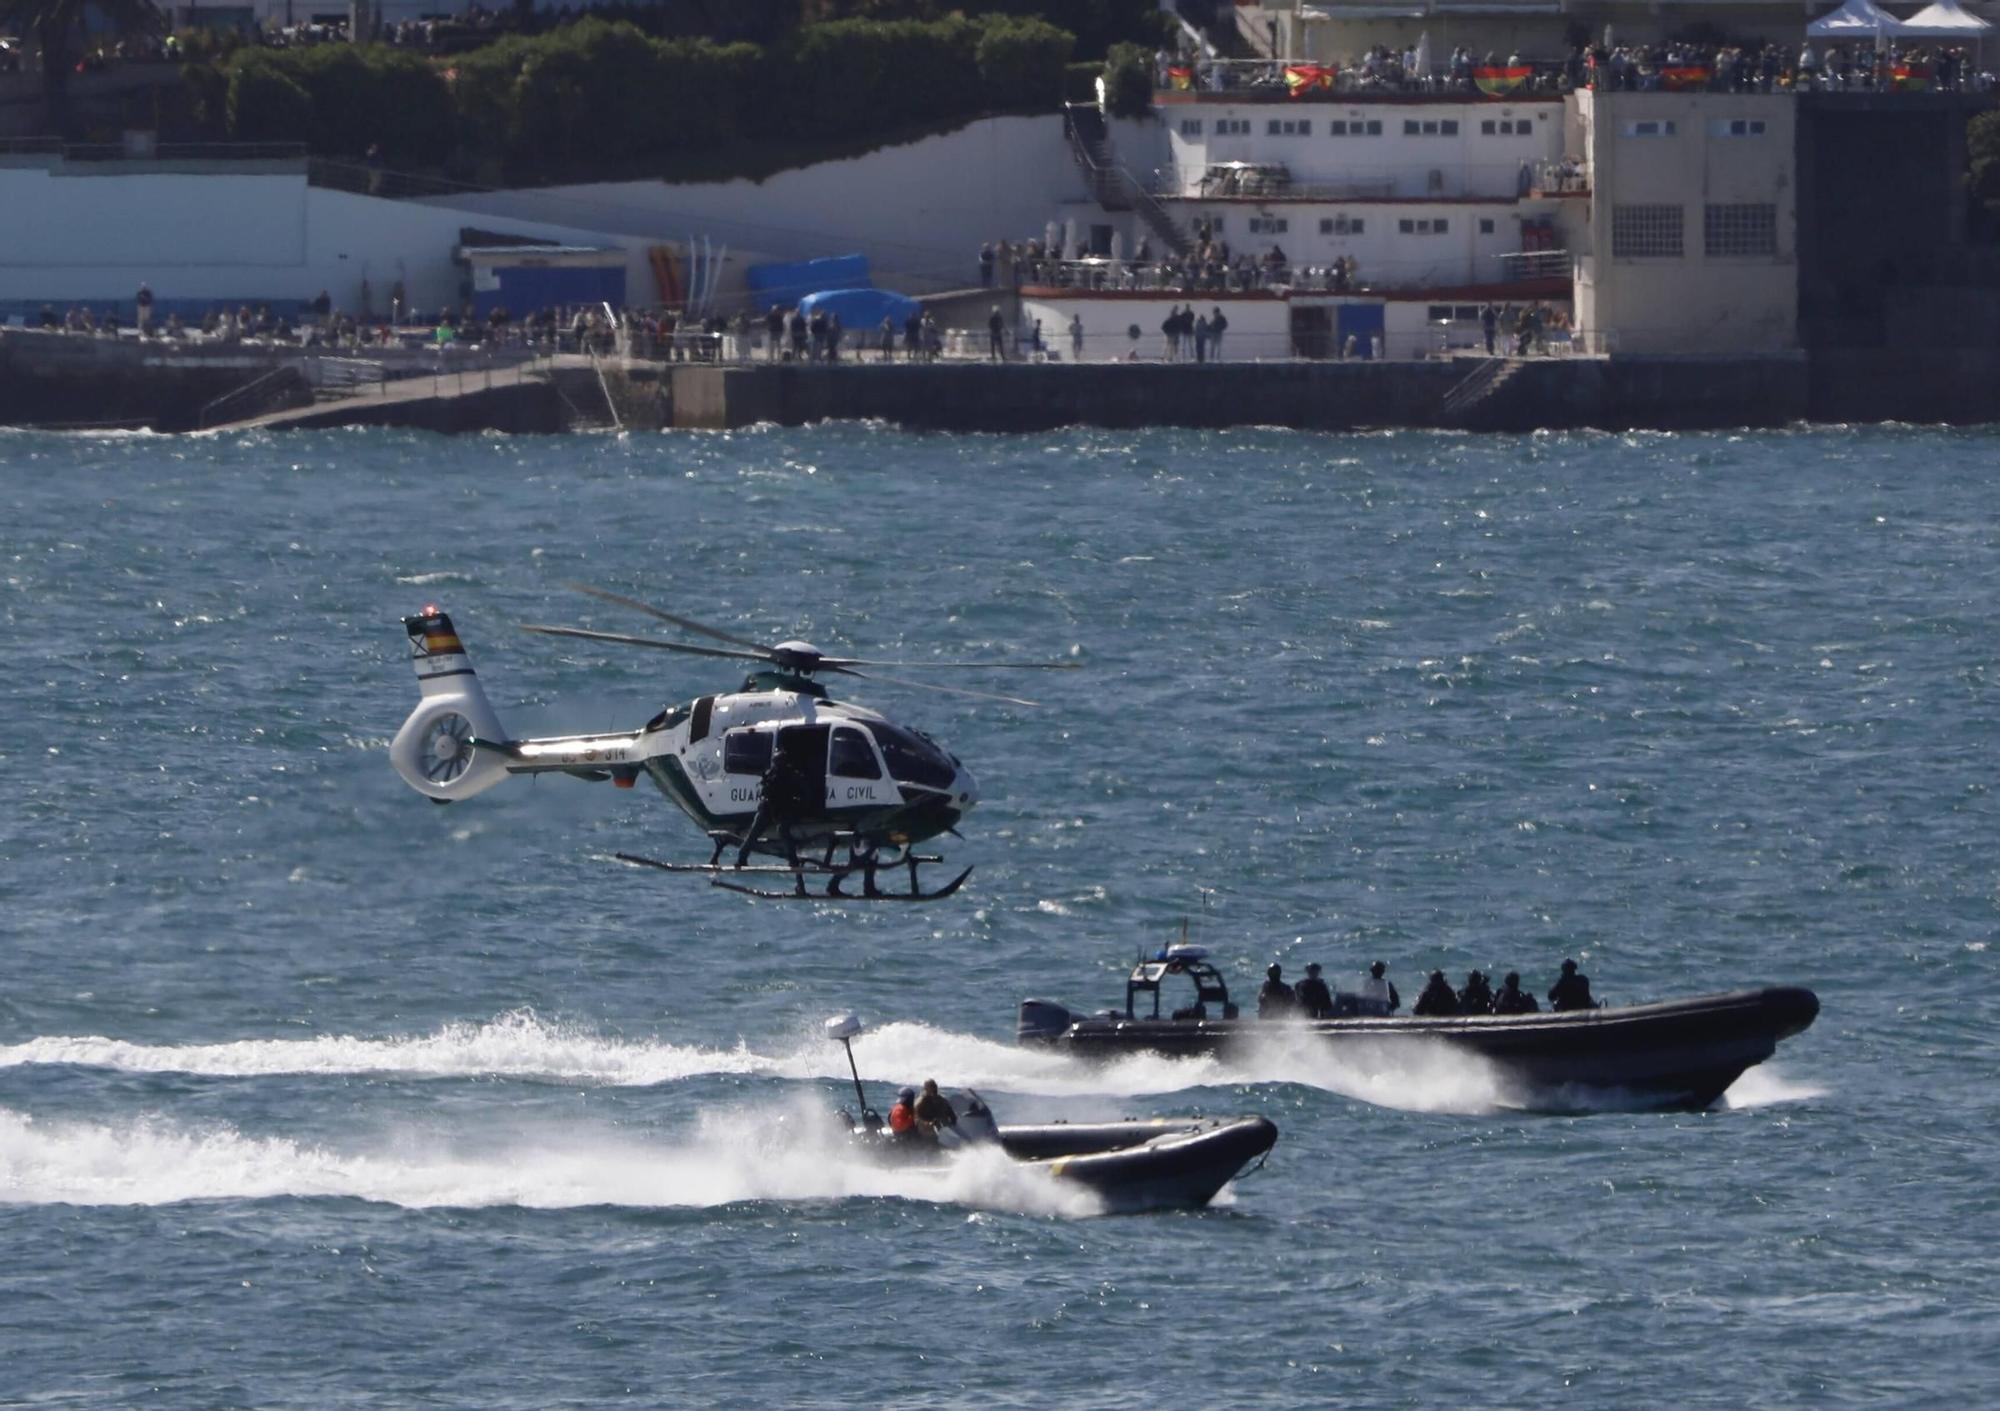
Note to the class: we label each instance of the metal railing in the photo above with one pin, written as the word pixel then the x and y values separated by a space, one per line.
pixel 152 152
pixel 1534 264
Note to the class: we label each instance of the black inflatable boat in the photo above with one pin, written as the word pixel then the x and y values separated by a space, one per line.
pixel 1139 1164
pixel 1674 1054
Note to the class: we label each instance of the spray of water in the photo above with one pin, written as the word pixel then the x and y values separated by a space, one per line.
pixel 1764 1085
pixel 795 1155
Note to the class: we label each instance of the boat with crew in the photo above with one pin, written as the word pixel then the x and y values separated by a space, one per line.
pixel 1156 1163
pixel 1681 1053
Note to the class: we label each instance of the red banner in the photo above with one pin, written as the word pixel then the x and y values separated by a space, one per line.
pixel 1180 76
pixel 1911 78
pixel 1498 82
pixel 1685 78
pixel 1301 77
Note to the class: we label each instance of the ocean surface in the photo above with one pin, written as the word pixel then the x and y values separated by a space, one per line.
pixel 315 1095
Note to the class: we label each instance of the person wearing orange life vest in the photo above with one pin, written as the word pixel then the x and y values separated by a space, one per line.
pixel 903 1116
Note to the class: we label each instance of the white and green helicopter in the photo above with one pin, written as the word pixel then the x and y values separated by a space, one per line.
pixel 777 767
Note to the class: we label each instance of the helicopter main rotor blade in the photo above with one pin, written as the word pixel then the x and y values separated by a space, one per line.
pixel 836 663
pixel 585 634
pixel 927 685
pixel 689 623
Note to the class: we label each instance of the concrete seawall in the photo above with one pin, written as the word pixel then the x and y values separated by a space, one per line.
pixel 1668 393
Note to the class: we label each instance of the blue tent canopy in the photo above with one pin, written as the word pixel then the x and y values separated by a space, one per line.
pixel 862 308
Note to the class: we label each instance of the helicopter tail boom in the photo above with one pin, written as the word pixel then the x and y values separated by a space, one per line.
pixel 438 751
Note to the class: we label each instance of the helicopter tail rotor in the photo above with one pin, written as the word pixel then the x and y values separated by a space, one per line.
pixel 438 749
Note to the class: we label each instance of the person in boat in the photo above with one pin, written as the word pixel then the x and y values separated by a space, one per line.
pixel 1512 999
pixel 789 793
pixel 1437 1000
pixel 1571 990
pixel 1315 1000
pixel 1275 1000
pixel 934 1110
pixel 903 1116
pixel 1378 993
pixel 1477 996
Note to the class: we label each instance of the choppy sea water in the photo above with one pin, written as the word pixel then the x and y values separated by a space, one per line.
pixel 313 1094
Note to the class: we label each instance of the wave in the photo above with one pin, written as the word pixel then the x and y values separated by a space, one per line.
pixel 1764 1085
pixel 731 1156
pixel 522 1045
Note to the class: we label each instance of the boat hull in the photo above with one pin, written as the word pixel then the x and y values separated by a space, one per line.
pixel 1674 1054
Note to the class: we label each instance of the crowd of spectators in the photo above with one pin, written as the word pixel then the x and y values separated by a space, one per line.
pixel 1755 67
pixel 1209 267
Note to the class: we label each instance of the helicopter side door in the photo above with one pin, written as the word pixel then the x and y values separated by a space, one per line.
pixel 806 746
pixel 854 774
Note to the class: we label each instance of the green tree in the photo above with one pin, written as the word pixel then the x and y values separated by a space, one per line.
pixel 57 30
pixel 1982 150
pixel 1128 81
pixel 1021 62
pixel 267 105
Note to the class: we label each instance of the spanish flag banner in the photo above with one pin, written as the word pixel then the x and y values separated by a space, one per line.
pixel 1685 78
pixel 1300 78
pixel 1181 76
pixel 1499 81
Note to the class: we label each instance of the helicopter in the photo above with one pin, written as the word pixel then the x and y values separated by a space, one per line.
pixel 853 792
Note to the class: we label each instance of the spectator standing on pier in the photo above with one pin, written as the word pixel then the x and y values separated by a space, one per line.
pixel 913 337
pixel 986 265
pixel 774 333
pixel 1201 340
pixel 144 299
pixel 1489 324
pixel 799 334
pixel 1076 338
pixel 996 341
pixel 888 338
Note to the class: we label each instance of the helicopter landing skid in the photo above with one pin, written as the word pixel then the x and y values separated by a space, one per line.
pixel 834 873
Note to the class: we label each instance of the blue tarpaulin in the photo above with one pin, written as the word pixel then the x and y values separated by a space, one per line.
pixel 783 285
pixel 862 308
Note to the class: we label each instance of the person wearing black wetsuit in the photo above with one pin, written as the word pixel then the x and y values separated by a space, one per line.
pixel 1571 990
pixel 788 795
pixel 1276 999
pixel 1512 999
pixel 1315 1000
pixel 1437 1000
pixel 1477 996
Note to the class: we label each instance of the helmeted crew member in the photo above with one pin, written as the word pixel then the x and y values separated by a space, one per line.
pixel 1571 990
pixel 903 1116
pixel 1437 1000
pixel 1512 999
pixel 1477 996
pixel 934 1110
pixel 1314 999
pixel 1378 993
pixel 789 794
pixel 1276 1000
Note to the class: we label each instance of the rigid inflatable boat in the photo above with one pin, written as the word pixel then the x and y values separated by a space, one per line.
pixel 1139 1164
pixel 1673 1054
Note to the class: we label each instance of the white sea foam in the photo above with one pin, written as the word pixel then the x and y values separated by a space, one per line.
pixel 731 1156
pixel 524 1046
pixel 1763 1085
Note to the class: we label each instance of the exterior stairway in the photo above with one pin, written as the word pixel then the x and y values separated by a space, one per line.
pixel 1475 390
pixel 1111 186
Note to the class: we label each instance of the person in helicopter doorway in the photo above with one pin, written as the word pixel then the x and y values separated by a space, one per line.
pixel 903 1116
pixel 1275 999
pixel 1315 999
pixel 1571 990
pixel 934 1111
pixel 1378 993
pixel 789 795
pixel 1512 999
pixel 1477 996
pixel 1437 1000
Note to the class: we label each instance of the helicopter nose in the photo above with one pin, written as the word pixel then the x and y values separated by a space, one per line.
pixel 964 790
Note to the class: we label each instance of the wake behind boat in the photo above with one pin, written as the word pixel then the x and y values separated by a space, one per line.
pixel 1673 1054
pixel 1135 1165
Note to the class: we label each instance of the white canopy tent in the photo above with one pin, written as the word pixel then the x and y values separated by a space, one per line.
pixel 1856 20
pixel 1944 19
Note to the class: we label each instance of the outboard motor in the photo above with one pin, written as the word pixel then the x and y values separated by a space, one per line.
pixel 1041 1021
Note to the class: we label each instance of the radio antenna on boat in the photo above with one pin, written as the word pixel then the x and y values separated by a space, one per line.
pixel 843 1028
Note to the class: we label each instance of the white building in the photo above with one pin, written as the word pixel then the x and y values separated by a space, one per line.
pixel 1691 235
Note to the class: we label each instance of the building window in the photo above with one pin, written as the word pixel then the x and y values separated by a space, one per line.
pixel 1289 127
pixel 1326 226
pixel 1486 128
pixel 1506 127
pixel 1406 226
pixel 1438 313
pixel 1642 232
pixel 1486 225
pixel 1268 225
pixel 1336 127
pixel 1736 127
pixel 1449 127
pixel 1739 230
pixel 1651 127
pixel 1190 127
pixel 1232 127
pixel 1411 127
pixel 1375 127
pixel 1440 226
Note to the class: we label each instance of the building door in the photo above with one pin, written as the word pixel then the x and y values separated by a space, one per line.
pixel 1312 331
pixel 1359 329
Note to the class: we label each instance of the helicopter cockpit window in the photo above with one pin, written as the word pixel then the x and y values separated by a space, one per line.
pixel 746 751
pixel 912 760
pixel 850 758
